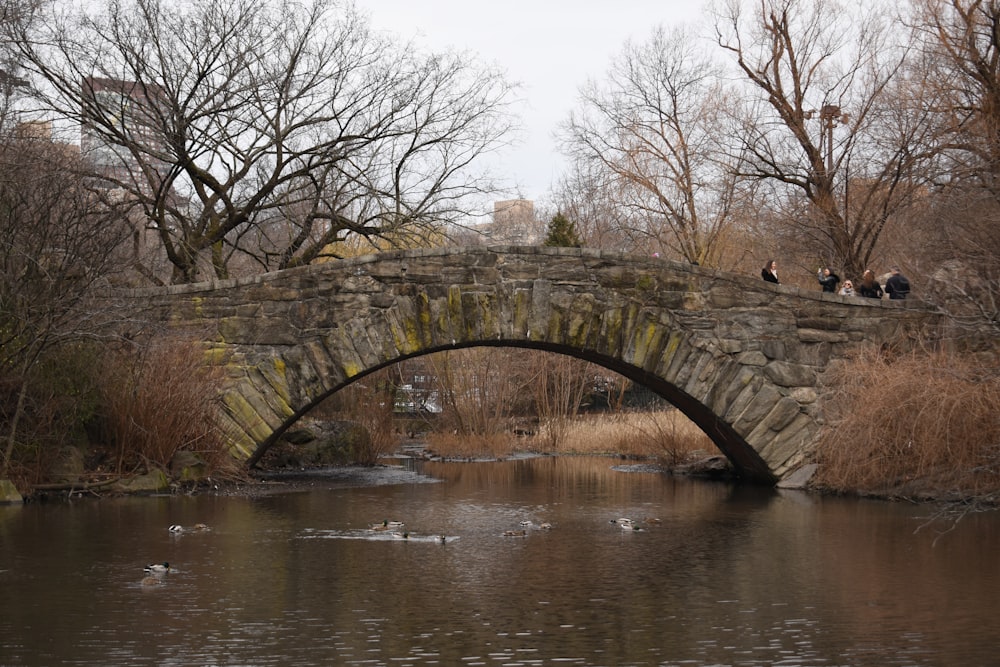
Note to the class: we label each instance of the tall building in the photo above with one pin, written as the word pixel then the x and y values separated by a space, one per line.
pixel 124 158
pixel 133 111
pixel 514 222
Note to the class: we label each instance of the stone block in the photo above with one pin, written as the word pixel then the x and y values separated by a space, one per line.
pixel 9 495
pixel 785 374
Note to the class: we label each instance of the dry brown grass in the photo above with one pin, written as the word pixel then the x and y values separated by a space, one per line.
pixel 927 424
pixel 158 400
pixel 666 435
pixel 456 445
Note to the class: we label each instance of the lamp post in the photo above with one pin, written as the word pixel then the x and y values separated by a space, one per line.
pixel 829 117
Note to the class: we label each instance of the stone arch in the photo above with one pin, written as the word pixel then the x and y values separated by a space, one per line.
pixel 746 460
pixel 744 359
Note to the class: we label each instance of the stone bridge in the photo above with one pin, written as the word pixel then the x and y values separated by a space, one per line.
pixel 745 360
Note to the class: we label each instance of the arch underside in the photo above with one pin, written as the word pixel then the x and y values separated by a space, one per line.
pixel 731 389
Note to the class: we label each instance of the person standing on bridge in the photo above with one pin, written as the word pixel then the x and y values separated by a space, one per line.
pixel 828 279
pixel 897 286
pixel 770 272
pixel 869 287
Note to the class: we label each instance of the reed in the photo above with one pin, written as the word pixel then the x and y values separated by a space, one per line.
pixel 665 435
pixel 471 446
pixel 157 400
pixel 919 425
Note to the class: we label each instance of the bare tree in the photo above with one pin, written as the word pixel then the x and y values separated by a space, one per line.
pixel 559 387
pixel 587 194
pixel 57 242
pixel 843 145
pixel 268 129
pixel 654 127
pixel 480 388
pixel 957 76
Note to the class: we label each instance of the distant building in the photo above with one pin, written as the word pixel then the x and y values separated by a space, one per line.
pixel 514 223
pixel 132 109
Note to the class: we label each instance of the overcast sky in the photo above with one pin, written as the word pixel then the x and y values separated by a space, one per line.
pixel 550 47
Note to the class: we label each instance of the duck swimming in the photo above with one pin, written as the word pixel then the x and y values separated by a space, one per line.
pixel 387 525
pixel 157 568
pixel 515 533
pixel 177 528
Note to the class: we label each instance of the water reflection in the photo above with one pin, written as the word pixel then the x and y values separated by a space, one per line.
pixel 722 575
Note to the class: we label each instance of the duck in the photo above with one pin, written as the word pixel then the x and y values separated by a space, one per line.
pixel 622 521
pixel 545 525
pixel 157 568
pixel 515 533
pixel 630 526
pixel 386 525
pixel 177 528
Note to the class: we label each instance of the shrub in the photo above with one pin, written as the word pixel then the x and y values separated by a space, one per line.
pixel 51 406
pixel 158 399
pixel 666 435
pixel 369 405
pixel 916 425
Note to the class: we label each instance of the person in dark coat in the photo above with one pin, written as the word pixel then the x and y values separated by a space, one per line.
pixel 897 286
pixel 869 287
pixel 828 279
pixel 770 272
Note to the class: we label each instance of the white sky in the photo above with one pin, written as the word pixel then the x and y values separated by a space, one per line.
pixel 550 47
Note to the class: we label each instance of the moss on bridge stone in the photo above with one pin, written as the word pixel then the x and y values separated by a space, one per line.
pixel 647 345
pixel 274 371
pixel 581 321
pixel 216 354
pixel 244 414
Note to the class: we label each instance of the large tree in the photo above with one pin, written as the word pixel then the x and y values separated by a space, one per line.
pixel 828 123
pixel 956 73
pixel 653 129
pixel 57 243
pixel 265 129
pixel 957 77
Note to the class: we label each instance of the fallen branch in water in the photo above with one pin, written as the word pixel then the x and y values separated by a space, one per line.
pixel 75 486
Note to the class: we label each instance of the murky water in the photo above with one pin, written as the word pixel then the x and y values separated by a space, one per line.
pixel 719 575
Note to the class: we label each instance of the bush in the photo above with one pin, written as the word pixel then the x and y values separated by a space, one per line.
pixel 159 399
pixel 369 405
pixel 51 405
pixel 919 425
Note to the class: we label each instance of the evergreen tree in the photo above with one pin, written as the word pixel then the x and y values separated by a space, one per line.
pixel 562 233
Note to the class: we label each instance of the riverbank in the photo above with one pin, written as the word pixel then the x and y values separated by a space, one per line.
pixel 663 442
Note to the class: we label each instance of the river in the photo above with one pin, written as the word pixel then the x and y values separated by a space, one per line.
pixel 718 575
